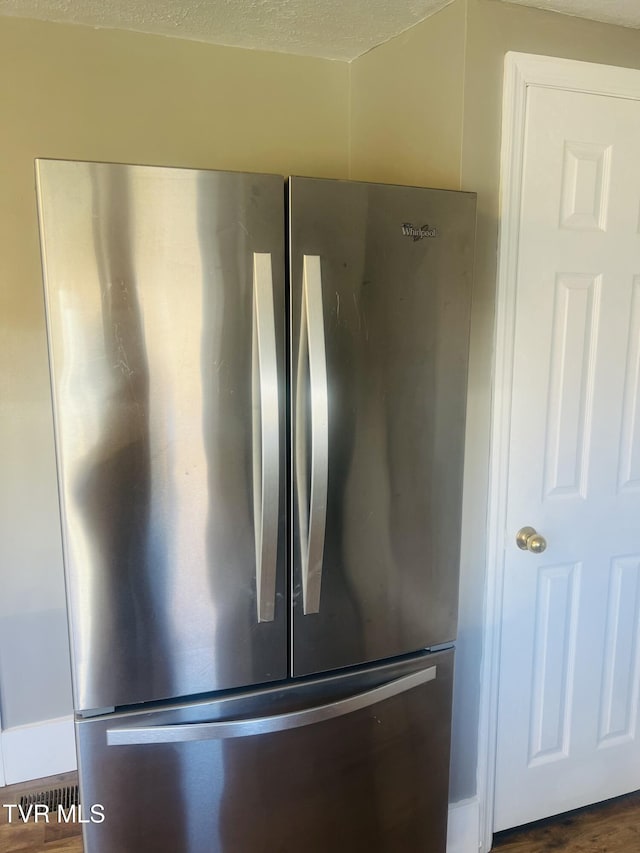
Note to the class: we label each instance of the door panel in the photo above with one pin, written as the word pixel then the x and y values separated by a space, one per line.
pixel 378 428
pixel 374 778
pixel 167 404
pixel 570 664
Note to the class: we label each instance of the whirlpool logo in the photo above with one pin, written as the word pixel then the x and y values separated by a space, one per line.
pixel 418 232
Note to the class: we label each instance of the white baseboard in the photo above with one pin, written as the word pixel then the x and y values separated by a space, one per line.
pixel 38 750
pixel 463 834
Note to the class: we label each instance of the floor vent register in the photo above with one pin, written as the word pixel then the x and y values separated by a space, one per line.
pixel 65 797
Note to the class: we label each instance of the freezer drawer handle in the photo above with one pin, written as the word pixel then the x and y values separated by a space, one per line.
pixel 312 501
pixel 187 732
pixel 266 447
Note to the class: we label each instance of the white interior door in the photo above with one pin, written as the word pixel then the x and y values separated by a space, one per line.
pixel 569 666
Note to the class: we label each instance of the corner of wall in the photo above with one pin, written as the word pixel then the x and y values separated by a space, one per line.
pixel 350 119
pixel 406 104
pixel 464 88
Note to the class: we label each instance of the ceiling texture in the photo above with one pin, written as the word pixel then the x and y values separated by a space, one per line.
pixel 332 29
pixel 625 13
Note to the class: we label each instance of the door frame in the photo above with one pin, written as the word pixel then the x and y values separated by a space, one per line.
pixel 522 70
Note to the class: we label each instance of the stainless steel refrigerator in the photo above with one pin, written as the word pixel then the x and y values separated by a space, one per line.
pixel 259 398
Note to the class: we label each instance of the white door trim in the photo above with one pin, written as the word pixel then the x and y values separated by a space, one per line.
pixel 521 71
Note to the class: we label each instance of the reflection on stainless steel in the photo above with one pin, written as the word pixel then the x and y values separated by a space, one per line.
pixel 311 498
pixel 374 779
pixel 267 725
pixel 149 284
pixel 266 447
pixel 396 327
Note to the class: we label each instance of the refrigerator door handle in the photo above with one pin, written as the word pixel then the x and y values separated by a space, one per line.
pixel 312 498
pixel 266 440
pixel 188 732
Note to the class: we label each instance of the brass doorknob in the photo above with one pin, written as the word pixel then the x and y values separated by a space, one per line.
pixel 528 539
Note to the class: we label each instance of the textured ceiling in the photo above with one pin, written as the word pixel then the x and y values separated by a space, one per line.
pixel 334 29
pixel 626 13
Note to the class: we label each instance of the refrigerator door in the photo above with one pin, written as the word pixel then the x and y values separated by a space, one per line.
pixel 379 318
pixel 357 762
pixel 165 312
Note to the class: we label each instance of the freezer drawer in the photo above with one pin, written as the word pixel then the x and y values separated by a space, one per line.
pixel 357 762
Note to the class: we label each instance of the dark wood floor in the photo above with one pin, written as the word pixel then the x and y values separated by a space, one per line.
pixel 611 827
pixel 29 837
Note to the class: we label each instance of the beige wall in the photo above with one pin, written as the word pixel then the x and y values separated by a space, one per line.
pixel 493 29
pixel 406 105
pixel 79 93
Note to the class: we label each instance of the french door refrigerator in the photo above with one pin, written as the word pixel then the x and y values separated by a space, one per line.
pixel 262 606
